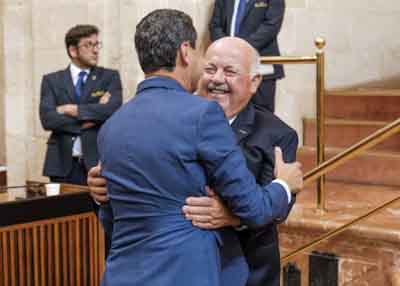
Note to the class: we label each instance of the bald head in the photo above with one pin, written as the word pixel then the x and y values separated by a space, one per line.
pixel 230 74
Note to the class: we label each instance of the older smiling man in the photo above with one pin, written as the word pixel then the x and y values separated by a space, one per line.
pixel 230 77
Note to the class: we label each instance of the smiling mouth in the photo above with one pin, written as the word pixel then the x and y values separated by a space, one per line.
pixel 217 91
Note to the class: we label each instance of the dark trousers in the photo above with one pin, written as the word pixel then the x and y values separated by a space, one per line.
pixel 264 99
pixel 261 249
pixel 77 175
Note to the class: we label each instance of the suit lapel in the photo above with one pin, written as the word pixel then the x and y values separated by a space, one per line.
pixel 229 13
pixel 69 84
pixel 243 124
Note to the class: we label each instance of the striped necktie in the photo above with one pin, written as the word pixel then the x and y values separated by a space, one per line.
pixel 239 15
pixel 79 85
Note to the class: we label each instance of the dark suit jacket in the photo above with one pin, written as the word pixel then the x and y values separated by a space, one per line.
pixel 58 89
pixel 260 26
pixel 158 149
pixel 258 132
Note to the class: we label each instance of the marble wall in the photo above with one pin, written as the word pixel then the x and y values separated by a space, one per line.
pixel 360 48
pixel 2 115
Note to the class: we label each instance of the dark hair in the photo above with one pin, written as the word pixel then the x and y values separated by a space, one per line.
pixel 76 33
pixel 158 37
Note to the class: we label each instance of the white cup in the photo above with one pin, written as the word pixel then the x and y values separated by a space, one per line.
pixel 52 189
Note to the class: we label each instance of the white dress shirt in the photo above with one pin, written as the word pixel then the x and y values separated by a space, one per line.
pixel 75 70
pixel 235 8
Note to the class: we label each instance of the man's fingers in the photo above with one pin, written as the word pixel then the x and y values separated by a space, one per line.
pixel 199 218
pixel 102 199
pixel 195 210
pixel 95 171
pixel 199 201
pixel 99 190
pixel 210 192
pixel 205 225
pixel 99 194
pixel 278 156
pixel 97 182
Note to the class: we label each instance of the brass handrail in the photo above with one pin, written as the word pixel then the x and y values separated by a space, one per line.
pixel 353 151
pixel 337 231
pixel 289 60
pixel 319 61
pixel 341 158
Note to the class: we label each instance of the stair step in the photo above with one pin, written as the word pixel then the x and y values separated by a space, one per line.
pixel 346 202
pixel 382 105
pixel 344 133
pixel 373 167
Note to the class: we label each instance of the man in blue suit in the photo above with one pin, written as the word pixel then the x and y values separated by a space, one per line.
pixel 165 145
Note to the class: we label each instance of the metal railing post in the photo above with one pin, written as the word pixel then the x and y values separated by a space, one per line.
pixel 320 74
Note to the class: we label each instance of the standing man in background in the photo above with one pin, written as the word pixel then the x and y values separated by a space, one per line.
pixel 74 103
pixel 258 22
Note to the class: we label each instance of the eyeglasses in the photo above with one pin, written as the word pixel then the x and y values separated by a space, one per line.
pixel 92 46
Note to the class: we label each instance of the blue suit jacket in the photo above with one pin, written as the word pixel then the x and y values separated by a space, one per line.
pixel 159 148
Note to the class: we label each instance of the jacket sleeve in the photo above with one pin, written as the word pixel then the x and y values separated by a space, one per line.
pixel 101 112
pixel 216 25
pixel 288 145
pixel 226 168
pixel 269 29
pixel 52 120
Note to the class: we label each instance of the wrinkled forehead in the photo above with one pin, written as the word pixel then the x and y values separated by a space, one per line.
pixel 227 57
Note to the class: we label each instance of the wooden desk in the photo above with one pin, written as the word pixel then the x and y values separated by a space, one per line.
pixel 50 241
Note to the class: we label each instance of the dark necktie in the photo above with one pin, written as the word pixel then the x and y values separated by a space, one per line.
pixel 79 85
pixel 239 15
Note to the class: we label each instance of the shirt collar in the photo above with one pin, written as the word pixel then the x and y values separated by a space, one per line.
pixel 160 82
pixel 231 120
pixel 75 70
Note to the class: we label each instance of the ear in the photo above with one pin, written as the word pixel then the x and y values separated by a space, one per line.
pixel 73 51
pixel 255 83
pixel 183 53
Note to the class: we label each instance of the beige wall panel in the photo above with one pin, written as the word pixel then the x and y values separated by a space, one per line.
pixel 2 89
pixel 361 47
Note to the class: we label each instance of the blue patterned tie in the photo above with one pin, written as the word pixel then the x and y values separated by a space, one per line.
pixel 239 15
pixel 79 85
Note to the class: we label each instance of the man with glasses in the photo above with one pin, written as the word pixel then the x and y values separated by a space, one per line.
pixel 74 103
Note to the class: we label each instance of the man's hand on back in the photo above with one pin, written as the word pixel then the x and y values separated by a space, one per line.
pixel 209 212
pixel 97 185
pixel 289 172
